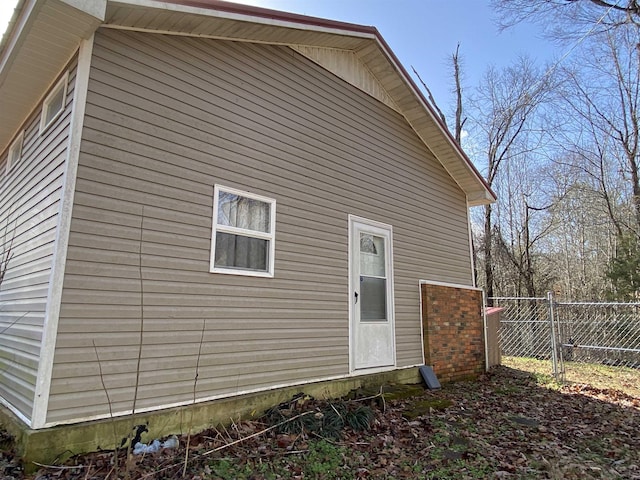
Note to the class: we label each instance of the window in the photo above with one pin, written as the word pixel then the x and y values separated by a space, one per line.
pixel 243 239
pixel 15 152
pixel 53 105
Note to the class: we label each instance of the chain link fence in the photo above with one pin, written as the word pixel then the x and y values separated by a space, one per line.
pixel 607 333
pixel 565 332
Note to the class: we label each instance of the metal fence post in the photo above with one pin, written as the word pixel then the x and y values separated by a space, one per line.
pixel 554 344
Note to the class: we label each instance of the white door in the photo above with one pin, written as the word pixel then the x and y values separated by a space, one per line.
pixel 371 294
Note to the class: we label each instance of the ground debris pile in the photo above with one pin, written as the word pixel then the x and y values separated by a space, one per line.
pixel 304 416
pixel 507 424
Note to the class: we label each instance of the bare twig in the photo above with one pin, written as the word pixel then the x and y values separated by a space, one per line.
pixel 137 384
pixel 141 337
pixel 7 250
pixel 104 387
pixel 195 383
pixel 364 399
pixel 384 402
pixel 106 392
pixel 257 434
pixel 59 467
pixel 230 444
pixel 86 476
pixel 13 323
pixel 432 100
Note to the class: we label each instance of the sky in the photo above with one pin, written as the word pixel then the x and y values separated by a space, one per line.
pixel 423 34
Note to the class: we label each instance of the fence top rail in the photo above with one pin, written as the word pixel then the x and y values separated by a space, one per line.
pixel 518 298
pixel 602 304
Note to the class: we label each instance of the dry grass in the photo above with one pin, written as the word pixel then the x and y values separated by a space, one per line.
pixel 623 379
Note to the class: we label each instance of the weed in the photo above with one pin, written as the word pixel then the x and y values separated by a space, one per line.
pixel 323 460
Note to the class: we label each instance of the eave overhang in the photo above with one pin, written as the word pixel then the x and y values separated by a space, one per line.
pixel 46 33
pixel 42 37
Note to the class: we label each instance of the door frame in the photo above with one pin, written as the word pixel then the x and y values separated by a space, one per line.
pixel 352 220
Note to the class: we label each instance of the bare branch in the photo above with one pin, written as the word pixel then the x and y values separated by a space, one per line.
pixel 430 97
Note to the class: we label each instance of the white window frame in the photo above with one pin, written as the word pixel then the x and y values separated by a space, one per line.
pixel 13 158
pixel 46 104
pixel 270 236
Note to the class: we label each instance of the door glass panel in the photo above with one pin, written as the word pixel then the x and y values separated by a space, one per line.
pixel 373 297
pixel 372 260
pixel 373 284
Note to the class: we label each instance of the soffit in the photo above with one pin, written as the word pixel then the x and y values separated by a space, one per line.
pixel 45 35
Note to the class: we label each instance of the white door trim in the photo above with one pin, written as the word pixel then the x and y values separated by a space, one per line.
pixel 353 220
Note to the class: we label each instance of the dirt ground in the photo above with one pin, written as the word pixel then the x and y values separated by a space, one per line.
pixel 507 424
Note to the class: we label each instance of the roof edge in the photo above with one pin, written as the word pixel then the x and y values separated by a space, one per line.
pixel 443 128
pixel 267 13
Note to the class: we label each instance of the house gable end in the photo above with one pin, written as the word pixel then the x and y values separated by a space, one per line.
pixel 375 68
pixel 346 65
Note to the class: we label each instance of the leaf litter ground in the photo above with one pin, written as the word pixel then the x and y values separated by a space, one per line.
pixel 506 424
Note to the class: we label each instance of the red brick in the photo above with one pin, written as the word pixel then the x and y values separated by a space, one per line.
pixel 453 332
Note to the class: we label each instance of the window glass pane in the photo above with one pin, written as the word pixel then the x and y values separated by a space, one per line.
pixel 373 295
pixel 54 106
pixel 238 251
pixel 15 153
pixel 372 255
pixel 242 212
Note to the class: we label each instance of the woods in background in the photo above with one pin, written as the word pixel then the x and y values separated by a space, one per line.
pixel 559 144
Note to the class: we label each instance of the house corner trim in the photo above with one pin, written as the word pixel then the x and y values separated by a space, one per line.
pixel 54 297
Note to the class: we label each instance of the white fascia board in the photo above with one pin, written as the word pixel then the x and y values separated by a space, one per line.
pixel 212 12
pixel 480 199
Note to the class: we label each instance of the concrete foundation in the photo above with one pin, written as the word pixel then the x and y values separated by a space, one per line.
pixel 56 444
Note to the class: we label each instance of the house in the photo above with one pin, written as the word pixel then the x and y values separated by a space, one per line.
pixel 201 187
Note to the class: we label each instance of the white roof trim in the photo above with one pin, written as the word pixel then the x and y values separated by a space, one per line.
pixel 211 12
pixel 385 77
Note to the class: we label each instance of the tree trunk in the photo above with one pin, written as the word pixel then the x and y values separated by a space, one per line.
pixel 488 258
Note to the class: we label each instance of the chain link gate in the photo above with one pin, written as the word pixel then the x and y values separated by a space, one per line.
pixel 564 332
pixel 529 328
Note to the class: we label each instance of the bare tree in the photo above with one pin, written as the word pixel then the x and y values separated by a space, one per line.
pixel 522 222
pixel 564 19
pixel 504 124
pixel 582 240
pixel 457 80
pixel 603 98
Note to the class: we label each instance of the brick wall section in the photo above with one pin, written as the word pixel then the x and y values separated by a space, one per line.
pixel 453 331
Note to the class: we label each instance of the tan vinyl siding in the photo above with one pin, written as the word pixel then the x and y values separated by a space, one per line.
pixel 30 198
pixel 168 118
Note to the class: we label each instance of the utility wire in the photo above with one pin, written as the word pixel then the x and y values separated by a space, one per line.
pixel 553 68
